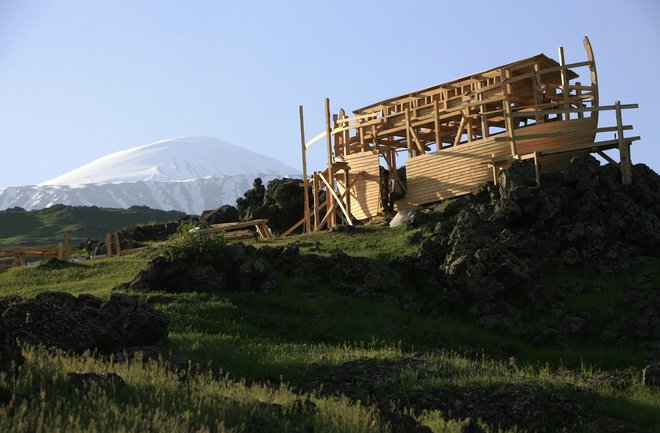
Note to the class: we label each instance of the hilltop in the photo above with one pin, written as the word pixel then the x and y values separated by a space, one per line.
pixel 47 226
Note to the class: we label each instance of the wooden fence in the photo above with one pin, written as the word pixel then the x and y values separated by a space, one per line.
pixel 19 256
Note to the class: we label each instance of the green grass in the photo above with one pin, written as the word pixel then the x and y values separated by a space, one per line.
pixel 97 277
pixel 283 338
pixel 376 241
pixel 47 226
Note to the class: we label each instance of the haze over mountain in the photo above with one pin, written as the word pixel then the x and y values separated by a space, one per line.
pixel 189 174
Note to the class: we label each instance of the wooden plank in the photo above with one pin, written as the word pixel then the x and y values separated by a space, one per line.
pixel 597 145
pixel 316 138
pixel 572 110
pixel 237 225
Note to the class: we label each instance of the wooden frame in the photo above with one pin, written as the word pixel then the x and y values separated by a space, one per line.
pixel 529 109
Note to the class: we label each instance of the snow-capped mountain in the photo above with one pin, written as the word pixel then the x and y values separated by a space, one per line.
pixel 190 174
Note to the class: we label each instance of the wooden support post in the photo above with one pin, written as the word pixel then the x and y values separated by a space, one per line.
pixel 505 74
pixel 484 120
pixel 510 128
pixel 537 169
pixel 578 93
pixel 347 183
pixel 60 250
pixel 117 245
pixel 408 137
pixel 459 131
pixel 22 259
pixel 436 125
pixel 564 83
pixel 328 141
pixel 304 167
pixel 108 245
pixel 344 134
pixel 336 137
pixel 468 120
pixel 535 92
pixel 363 145
pixel 66 247
pixel 315 192
pixel 624 148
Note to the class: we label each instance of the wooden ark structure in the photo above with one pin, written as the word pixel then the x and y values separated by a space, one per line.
pixel 457 135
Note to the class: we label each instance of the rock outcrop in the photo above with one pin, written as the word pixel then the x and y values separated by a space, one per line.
pixel 76 324
pixel 282 203
pixel 490 250
pixel 10 353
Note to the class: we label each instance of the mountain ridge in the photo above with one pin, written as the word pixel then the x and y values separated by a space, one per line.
pixel 188 174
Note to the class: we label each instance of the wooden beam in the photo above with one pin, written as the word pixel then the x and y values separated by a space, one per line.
pixel 408 137
pixel 337 199
pixel 607 158
pixel 315 139
pixel 236 225
pixel 420 148
pixel 66 245
pixel 436 125
pixel 292 228
pixel 459 132
pixel 624 149
pixel 599 145
pixel 108 245
pixel 306 216
pixel 572 110
pixel 328 136
pixel 117 245
pixel 564 83
pixel 315 192
pixel 537 169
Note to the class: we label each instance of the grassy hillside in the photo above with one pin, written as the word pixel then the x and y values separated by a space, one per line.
pixel 309 359
pixel 47 226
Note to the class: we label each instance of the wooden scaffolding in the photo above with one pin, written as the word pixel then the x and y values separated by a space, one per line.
pixel 457 135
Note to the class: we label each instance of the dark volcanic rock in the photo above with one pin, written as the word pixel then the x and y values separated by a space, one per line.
pixel 525 407
pixel 61 320
pixel 239 267
pixel 494 245
pixel 282 203
pixel 10 353
pixel 223 214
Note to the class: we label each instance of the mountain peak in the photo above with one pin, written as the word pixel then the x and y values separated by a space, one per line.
pixel 177 159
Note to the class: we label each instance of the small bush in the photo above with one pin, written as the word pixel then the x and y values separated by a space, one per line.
pixel 190 243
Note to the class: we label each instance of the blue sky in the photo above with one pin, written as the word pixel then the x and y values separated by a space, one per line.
pixel 80 79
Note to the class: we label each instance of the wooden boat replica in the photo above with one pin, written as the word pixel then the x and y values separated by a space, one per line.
pixel 457 135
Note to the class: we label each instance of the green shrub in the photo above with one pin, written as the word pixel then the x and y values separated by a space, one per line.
pixel 191 243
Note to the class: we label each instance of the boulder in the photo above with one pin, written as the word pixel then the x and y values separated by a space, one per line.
pixel 282 203
pixel 221 215
pixel 60 320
